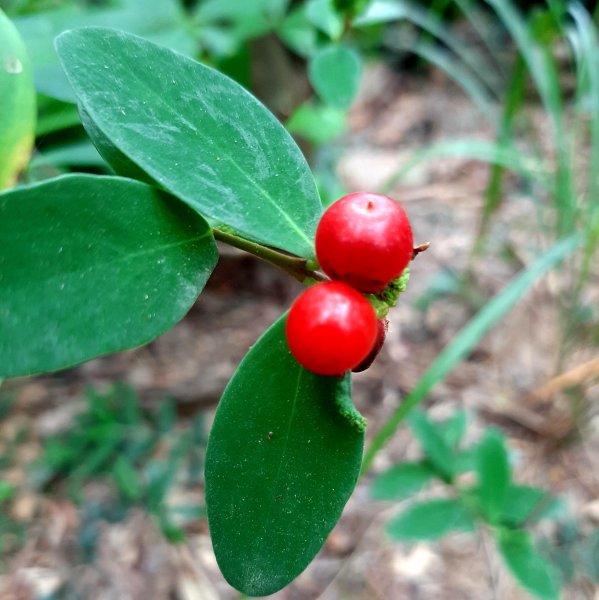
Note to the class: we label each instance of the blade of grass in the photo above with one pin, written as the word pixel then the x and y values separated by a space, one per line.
pixel 432 24
pixel 468 338
pixel 473 14
pixel 508 156
pixel 587 55
pixel 445 61
pixel 514 98
pixel 544 73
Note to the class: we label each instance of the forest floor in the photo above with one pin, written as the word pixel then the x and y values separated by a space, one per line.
pixel 554 448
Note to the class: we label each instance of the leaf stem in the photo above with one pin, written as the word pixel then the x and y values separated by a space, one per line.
pixel 293 265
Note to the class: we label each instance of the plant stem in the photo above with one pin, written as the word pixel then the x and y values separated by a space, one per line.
pixel 292 265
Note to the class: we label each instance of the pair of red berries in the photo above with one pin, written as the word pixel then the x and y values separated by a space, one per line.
pixel 363 242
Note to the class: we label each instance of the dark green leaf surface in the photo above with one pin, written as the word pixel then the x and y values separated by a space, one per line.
pixel 434 445
pixel 91 265
pixel 430 520
pixel 283 458
pixel 17 104
pixel 401 481
pixel 531 570
pixel 197 133
pixel 335 72
pixel 493 474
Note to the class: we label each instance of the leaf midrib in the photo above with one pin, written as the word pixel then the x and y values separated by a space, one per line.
pixel 222 153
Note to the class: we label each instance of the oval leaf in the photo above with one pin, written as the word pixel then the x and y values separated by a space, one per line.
pixel 401 481
pixel 283 458
pixel 434 445
pixel 17 104
pixel 197 133
pixel 430 520
pixel 335 74
pixel 531 570
pixel 494 474
pixel 91 265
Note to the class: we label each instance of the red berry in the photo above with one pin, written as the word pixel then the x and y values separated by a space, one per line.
pixel 365 240
pixel 381 334
pixel 331 328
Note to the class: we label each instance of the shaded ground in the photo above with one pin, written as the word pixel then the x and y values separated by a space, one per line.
pixel 194 360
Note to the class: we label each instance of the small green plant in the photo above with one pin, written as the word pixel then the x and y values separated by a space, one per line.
pixel 505 508
pixel 140 453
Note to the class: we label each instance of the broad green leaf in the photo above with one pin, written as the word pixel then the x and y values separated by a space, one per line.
pixel 322 14
pixel 92 265
pixel 430 520
pixel 530 569
pixel 197 133
pixel 17 104
pixel 164 23
pixel 335 72
pixel 317 123
pixel 401 481
pixel 283 458
pixel 494 474
pixel 434 445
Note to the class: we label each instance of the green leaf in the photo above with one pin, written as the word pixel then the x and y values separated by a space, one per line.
pixel 453 428
pixel 401 481
pixel 282 460
pixel 494 474
pixel 434 445
pixel 530 569
pixel 298 32
pixel 322 14
pixel 197 133
pixel 126 479
pixel 527 503
pixel 335 73
pixel 317 123
pixel 430 520
pixel 164 24
pixel 92 265
pixel 17 104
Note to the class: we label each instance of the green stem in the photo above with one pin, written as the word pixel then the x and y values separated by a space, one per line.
pixel 292 265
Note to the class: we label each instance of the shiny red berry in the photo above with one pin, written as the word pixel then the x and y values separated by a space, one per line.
pixel 364 240
pixel 331 328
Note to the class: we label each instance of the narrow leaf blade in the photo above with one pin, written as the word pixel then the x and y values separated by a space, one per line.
pixel 92 265
pixel 283 458
pixel 197 133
